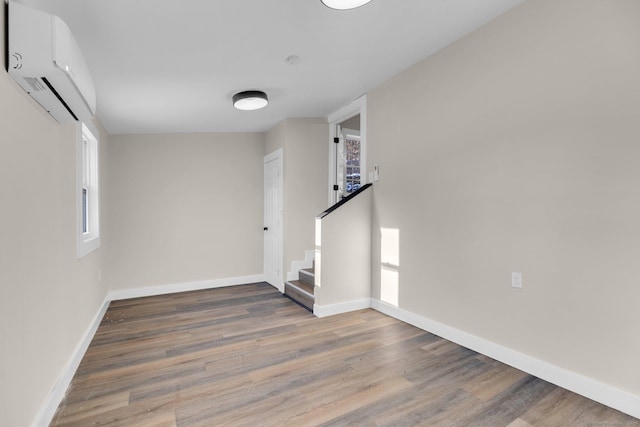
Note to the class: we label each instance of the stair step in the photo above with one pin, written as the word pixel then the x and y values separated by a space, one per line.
pixel 303 286
pixel 307 276
pixel 300 292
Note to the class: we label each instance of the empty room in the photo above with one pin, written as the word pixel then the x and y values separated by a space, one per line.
pixel 320 212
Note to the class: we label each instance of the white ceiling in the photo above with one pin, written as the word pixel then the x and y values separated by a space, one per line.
pixel 172 66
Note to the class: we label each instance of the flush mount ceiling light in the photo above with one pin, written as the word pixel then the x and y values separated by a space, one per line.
pixel 250 100
pixel 344 4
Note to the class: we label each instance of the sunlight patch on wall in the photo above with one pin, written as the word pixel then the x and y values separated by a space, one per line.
pixel 389 286
pixel 390 265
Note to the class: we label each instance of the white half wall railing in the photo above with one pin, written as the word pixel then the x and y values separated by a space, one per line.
pixel 343 255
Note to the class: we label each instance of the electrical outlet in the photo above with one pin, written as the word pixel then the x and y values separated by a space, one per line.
pixel 376 173
pixel 516 280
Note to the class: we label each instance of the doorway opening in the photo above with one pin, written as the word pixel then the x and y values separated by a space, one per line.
pixel 348 161
pixel 347 152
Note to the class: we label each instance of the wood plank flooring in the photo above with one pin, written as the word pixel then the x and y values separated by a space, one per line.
pixel 247 356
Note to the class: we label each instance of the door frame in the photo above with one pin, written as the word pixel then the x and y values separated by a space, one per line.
pixel 359 106
pixel 276 155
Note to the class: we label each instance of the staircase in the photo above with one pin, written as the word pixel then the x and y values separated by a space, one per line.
pixel 301 290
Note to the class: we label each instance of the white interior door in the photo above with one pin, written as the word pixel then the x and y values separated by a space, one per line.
pixel 273 219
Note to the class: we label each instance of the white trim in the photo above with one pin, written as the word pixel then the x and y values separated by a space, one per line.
pixel 350 110
pixel 296 266
pixel 87 243
pixel 48 410
pixel 358 106
pixel 590 388
pixel 343 307
pixel 183 287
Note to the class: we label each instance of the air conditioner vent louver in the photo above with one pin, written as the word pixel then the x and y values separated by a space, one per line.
pixel 35 84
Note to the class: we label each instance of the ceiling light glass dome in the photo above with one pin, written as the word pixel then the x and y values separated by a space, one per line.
pixel 344 4
pixel 250 100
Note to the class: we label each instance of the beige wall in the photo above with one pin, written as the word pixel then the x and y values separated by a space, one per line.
pixel 514 149
pixel 48 298
pixel 353 123
pixel 343 267
pixel 305 172
pixel 517 149
pixel 305 154
pixel 275 138
pixel 185 208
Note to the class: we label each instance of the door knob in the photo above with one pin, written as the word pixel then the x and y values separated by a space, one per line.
pixel 266 228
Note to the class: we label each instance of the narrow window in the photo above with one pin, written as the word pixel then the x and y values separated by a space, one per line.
pixel 85 211
pixel 88 191
pixel 86 178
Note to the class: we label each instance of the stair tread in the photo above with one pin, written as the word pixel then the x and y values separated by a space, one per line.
pixel 302 290
pixel 301 293
pixel 302 285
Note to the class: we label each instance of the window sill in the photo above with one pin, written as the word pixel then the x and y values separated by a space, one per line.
pixel 85 247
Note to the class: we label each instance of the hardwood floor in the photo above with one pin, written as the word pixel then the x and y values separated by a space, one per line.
pixel 248 356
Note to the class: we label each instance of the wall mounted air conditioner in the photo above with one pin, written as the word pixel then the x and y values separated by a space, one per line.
pixel 46 61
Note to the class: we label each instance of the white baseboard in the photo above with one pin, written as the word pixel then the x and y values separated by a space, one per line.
pixel 182 287
pixel 48 410
pixel 343 307
pixel 590 388
pixel 299 265
pixel 278 284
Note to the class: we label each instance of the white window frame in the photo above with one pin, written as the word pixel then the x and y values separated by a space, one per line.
pixel 87 182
